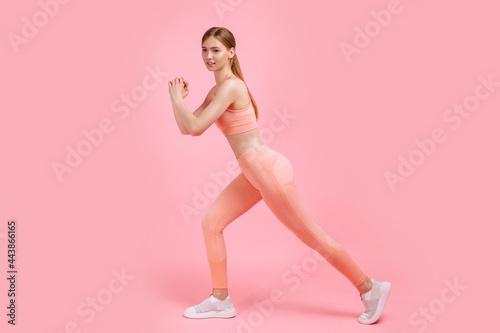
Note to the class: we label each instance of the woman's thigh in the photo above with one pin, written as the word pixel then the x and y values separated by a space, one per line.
pixel 237 198
pixel 275 179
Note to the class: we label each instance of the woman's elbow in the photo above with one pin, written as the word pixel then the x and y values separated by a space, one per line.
pixel 197 131
pixel 192 133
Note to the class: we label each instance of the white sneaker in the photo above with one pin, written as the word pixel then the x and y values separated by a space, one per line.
pixel 374 301
pixel 212 307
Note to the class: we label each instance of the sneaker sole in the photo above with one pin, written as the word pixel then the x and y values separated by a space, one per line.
pixel 385 290
pixel 226 313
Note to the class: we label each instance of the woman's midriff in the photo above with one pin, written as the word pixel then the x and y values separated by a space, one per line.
pixel 245 141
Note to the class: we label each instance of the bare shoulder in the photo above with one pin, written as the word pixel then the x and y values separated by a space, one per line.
pixel 236 79
pixel 233 85
pixel 236 85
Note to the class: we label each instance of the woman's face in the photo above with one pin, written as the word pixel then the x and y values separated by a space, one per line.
pixel 214 53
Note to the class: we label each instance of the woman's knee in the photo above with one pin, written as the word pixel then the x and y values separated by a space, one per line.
pixel 206 225
pixel 209 224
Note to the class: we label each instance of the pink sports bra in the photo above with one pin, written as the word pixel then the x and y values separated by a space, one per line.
pixel 237 121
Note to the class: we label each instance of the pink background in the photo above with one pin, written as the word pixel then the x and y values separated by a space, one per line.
pixel 120 208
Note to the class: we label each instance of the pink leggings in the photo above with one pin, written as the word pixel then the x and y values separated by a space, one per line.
pixel 268 175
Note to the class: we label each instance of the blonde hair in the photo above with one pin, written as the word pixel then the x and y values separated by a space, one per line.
pixel 226 37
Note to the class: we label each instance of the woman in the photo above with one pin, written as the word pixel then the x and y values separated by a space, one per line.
pixel 265 174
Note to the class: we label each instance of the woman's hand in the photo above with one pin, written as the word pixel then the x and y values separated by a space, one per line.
pixel 178 88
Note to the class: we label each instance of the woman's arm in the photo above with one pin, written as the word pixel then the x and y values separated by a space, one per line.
pixel 198 123
pixel 178 120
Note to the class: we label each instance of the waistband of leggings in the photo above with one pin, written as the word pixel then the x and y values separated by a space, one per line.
pixel 254 156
